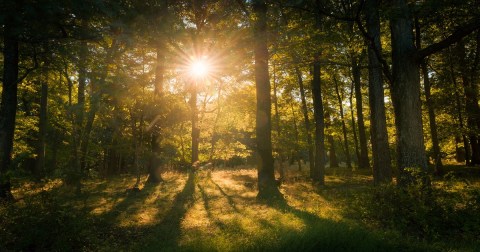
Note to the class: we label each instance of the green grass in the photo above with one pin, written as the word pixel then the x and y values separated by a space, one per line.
pixel 211 211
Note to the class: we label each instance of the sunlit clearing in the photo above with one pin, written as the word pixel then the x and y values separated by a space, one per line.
pixel 199 68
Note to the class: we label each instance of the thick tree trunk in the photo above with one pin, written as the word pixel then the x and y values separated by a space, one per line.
pixel 318 174
pixel 267 186
pixel 382 167
pixel 344 127
pixel 363 162
pixel 311 156
pixel 406 92
pixel 8 106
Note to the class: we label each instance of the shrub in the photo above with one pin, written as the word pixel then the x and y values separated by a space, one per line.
pixel 425 211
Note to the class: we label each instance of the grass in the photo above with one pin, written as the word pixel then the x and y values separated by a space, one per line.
pixel 206 211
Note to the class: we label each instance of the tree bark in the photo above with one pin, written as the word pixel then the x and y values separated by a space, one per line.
pixel 430 109
pixel 278 128
pixel 318 174
pixel 295 151
pixel 471 103
pixel 458 106
pixel 267 186
pixel 194 119
pixel 344 127
pixel 155 166
pixel 311 156
pixel 382 167
pixel 354 127
pixel 406 93
pixel 363 162
pixel 8 106
pixel 42 127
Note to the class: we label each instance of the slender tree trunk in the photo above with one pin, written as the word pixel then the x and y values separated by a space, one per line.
pixel 214 131
pixel 318 174
pixel 194 119
pixel 430 109
pixel 95 98
pixel 267 186
pixel 155 166
pixel 278 127
pixel 40 168
pixel 406 93
pixel 8 106
pixel 363 162
pixel 458 107
pixel 332 153
pixel 431 118
pixel 344 127
pixel 382 167
pixel 471 104
pixel 354 127
pixel 311 157
pixel 295 152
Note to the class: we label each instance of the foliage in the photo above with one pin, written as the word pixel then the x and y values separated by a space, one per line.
pixel 447 210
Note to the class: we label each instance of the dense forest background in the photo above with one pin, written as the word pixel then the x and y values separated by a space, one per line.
pixel 297 92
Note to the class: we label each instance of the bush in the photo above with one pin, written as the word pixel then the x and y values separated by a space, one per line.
pixel 424 211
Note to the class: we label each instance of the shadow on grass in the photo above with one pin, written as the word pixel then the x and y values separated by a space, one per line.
pixel 166 234
pixel 329 235
pixel 228 197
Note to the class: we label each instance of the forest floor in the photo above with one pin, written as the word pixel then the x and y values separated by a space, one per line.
pixel 210 211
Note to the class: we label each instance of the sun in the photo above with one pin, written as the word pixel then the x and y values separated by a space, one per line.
pixel 199 68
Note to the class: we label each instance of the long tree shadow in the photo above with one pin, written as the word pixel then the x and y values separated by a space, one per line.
pixel 328 235
pixel 166 234
pixel 130 204
pixel 228 197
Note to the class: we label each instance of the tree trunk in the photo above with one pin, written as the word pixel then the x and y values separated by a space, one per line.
pixel 363 162
pixel 406 92
pixel 430 109
pixel 318 174
pixel 458 107
pixel 295 151
pixel 311 157
pixel 278 128
pixel 42 127
pixel 431 118
pixel 8 107
pixel 382 167
pixel 354 128
pixel 267 186
pixel 344 127
pixel 155 166
pixel 471 102
pixel 194 119
pixel 332 154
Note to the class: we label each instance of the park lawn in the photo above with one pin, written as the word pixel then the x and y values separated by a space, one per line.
pixel 207 211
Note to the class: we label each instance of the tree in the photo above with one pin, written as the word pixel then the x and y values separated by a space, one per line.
pixel 267 186
pixel 8 106
pixel 382 171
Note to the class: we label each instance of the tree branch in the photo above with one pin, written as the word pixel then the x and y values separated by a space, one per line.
pixel 456 36
pixel 371 42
